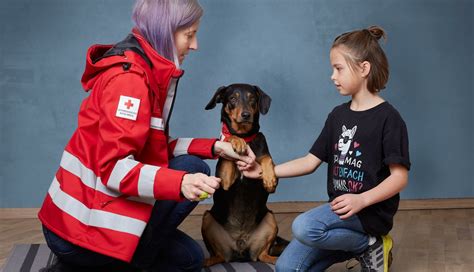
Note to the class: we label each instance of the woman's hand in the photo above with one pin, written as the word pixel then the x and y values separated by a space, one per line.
pixel 194 185
pixel 347 205
pixel 225 150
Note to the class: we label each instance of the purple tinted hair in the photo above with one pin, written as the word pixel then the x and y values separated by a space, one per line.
pixel 158 20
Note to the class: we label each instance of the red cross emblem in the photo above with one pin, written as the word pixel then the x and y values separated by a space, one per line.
pixel 128 104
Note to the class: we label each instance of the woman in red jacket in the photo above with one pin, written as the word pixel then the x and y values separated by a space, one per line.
pixel 123 185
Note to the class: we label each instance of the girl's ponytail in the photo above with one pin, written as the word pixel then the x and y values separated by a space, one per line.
pixel 377 32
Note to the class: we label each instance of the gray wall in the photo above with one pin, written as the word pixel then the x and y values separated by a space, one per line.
pixel 280 45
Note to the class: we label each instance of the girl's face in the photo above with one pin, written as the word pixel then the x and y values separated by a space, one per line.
pixel 185 39
pixel 347 80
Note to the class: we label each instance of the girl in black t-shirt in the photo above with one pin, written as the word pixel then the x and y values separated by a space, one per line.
pixel 365 144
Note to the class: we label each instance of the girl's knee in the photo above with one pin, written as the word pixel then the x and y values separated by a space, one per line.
pixel 307 229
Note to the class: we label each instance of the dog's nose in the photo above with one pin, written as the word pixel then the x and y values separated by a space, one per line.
pixel 245 115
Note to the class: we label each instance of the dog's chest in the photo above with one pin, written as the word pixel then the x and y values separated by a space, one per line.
pixel 243 205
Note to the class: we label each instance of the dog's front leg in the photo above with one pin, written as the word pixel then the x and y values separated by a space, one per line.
pixel 228 173
pixel 226 169
pixel 270 180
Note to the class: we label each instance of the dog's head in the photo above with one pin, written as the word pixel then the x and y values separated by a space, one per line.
pixel 242 104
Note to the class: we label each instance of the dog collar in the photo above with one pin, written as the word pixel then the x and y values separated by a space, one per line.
pixel 225 134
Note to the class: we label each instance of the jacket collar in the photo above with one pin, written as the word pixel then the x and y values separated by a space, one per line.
pixel 160 72
pixel 161 66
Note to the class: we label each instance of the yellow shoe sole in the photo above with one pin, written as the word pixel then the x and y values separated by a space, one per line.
pixel 387 254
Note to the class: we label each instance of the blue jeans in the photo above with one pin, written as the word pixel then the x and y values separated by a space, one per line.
pixel 322 239
pixel 162 246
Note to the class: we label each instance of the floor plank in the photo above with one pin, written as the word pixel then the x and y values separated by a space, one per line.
pixel 425 240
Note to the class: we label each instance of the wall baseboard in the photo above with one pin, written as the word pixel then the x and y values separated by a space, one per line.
pixel 289 207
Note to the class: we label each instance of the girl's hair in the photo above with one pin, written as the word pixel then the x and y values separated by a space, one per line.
pixel 158 20
pixel 363 45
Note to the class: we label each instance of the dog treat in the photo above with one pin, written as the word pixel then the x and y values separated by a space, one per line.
pixel 203 196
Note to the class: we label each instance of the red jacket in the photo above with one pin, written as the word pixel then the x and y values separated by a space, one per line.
pixel 115 164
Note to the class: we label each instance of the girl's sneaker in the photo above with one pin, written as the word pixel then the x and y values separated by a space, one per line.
pixel 378 257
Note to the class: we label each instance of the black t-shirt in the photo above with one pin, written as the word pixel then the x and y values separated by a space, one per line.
pixel 359 146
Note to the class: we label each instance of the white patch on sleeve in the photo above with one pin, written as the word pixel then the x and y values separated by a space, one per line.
pixel 157 123
pixel 128 107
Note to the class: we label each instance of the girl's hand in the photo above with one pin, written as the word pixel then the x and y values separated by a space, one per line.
pixel 225 150
pixel 348 205
pixel 253 171
pixel 194 185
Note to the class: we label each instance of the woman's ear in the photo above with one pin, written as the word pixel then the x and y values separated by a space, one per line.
pixel 365 69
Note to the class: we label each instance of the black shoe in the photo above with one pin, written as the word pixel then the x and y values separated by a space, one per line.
pixel 59 266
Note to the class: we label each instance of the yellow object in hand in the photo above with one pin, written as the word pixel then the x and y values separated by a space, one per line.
pixel 203 196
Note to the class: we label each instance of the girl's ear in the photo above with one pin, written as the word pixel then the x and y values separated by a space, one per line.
pixel 365 69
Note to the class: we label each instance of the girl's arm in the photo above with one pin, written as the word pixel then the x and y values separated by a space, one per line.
pixel 298 167
pixel 350 204
pixel 391 186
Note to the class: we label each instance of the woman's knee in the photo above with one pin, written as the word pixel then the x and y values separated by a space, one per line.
pixel 190 163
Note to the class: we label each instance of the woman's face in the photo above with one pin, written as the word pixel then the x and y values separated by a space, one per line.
pixel 185 39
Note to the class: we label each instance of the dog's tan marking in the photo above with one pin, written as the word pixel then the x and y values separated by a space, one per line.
pixel 270 180
pixel 228 172
pixel 218 239
pixel 262 238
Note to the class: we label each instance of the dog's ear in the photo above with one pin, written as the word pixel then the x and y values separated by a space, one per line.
pixel 264 100
pixel 217 98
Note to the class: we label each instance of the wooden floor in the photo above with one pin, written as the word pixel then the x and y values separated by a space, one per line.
pixel 425 240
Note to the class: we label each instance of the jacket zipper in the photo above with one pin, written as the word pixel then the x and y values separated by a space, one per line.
pixel 172 105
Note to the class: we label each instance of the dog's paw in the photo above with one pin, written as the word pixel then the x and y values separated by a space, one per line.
pixel 270 182
pixel 212 260
pixel 238 144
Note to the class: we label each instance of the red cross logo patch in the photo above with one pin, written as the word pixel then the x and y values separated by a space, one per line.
pixel 128 107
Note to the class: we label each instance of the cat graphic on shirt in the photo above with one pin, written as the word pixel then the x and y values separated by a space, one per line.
pixel 344 143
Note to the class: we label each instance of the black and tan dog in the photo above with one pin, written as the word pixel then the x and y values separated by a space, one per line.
pixel 239 226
